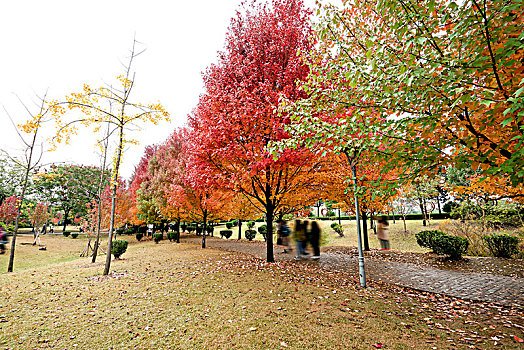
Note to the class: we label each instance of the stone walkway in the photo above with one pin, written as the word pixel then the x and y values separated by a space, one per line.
pixel 503 290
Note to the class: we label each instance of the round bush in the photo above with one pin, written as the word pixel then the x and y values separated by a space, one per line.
pixel 226 233
pixel 183 227
pixel 502 246
pixel 229 225
pixel 443 244
pixel 250 224
pixel 118 248
pixel 158 237
pixel 250 234
pixel 66 233
pixel 171 236
pixel 139 236
pixel 210 229
pixel 74 235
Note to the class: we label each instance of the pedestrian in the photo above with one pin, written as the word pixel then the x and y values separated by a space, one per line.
pixel 300 238
pixel 51 228
pixel 3 239
pixel 314 239
pixel 382 232
pixel 44 229
pixel 283 235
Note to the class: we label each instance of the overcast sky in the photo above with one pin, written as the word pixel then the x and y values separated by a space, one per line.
pixel 58 45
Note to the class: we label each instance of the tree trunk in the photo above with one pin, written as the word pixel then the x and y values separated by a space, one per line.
pixel 113 200
pixel 66 215
pixel 204 229
pixel 365 230
pixel 422 211
pixel 239 228
pixel 24 188
pixel 404 219
pixel 269 233
pixel 177 230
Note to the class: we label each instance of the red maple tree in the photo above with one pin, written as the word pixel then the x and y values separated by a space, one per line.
pixel 236 118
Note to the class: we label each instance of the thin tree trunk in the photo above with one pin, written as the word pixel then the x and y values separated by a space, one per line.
pixel 204 233
pixel 239 228
pixel 365 230
pixel 269 233
pixel 113 199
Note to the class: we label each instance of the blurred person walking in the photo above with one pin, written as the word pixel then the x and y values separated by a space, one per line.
pixel 300 238
pixel 314 239
pixel 382 232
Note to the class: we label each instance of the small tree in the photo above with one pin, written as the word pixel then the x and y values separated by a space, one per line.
pixel 92 102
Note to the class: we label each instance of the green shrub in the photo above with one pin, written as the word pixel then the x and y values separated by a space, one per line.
pixel 139 236
pixel 118 248
pixel 330 213
pixel 229 225
pixel 250 234
pixel 338 229
pixel 443 244
pixel 226 233
pixel 425 238
pixel 120 231
pixel 190 228
pixel 74 235
pixel 453 246
pixel 171 236
pixel 502 246
pixel 183 227
pixel 250 224
pixel 262 229
pixel 234 222
pixel 66 233
pixel 210 229
pixel 158 237
pixel 129 231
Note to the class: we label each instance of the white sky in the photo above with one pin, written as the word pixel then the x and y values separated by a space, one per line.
pixel 58 45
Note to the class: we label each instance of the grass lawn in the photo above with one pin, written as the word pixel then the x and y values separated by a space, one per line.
pixel 169 296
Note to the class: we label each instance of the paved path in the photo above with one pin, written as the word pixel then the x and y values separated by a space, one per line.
pixel 465 285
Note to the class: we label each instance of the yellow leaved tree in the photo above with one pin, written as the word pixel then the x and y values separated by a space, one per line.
pixel 108 106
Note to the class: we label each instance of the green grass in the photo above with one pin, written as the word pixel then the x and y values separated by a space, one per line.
pixel 179 296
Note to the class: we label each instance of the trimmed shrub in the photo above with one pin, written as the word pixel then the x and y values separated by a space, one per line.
pixel 443 244
pixel 263 231
pixel 234 222
pixel 74 235
pixel 338 229
pixel 250 224
pixel 120 231
pixel 66 233
pixel 139 236
pixel 190 228
pixel 158 237
pixel 183 227
pixel 129 231
pixel 210 229
pixel 118 248
pixel 229 225
pixel 171 236
pixel 250 234
pixel 199 229
pixel 453 246
pixel 502 246
pixel 226 233
pixel 425 238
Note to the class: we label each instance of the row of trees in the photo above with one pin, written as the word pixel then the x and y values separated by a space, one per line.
pixel 282 121
pixel 374 103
